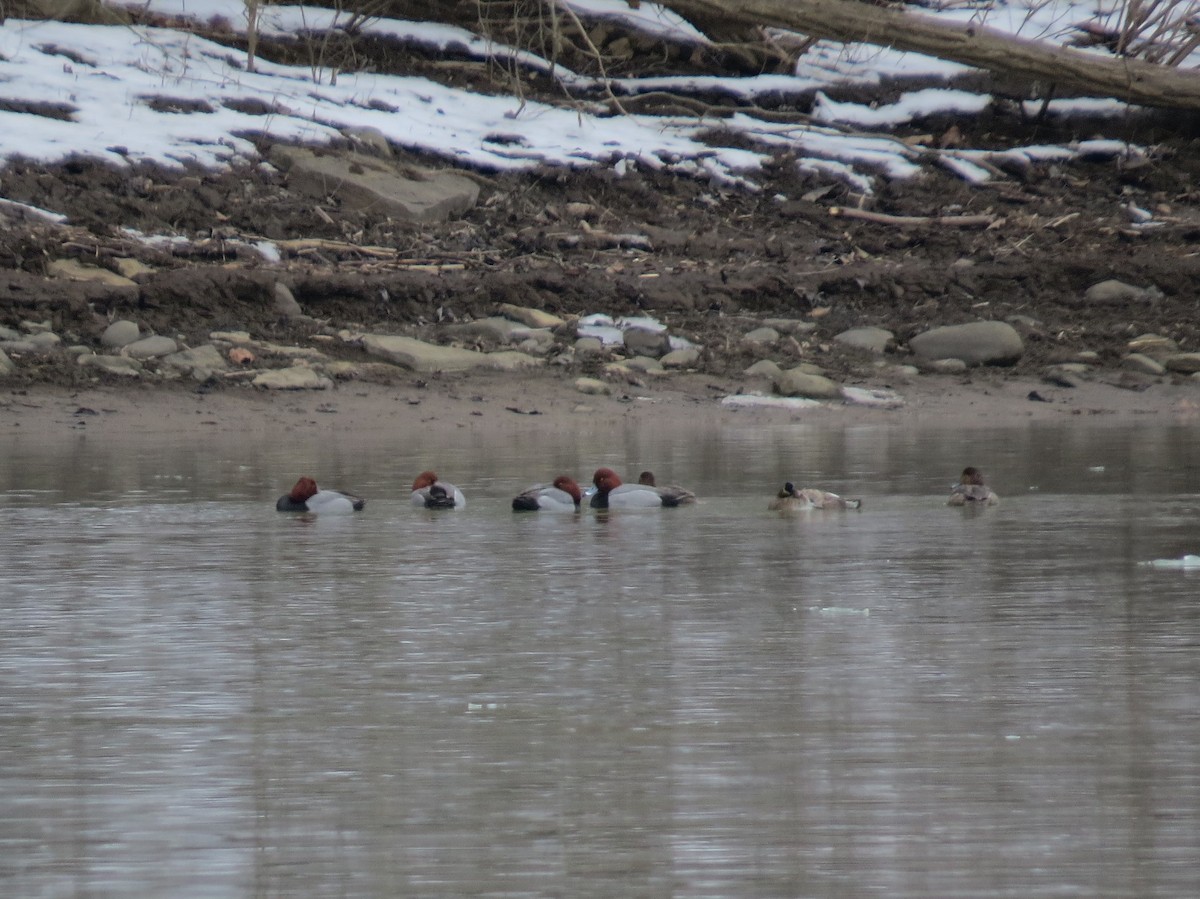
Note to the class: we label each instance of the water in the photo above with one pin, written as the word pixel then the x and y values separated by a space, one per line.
pixel 204 698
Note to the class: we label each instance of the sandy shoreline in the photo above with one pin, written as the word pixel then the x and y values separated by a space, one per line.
pixel 507 403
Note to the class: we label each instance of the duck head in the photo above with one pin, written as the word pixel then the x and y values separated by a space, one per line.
pixel 305 489
pixel 646 479
pixel 789 489
pixel 971 476
pixel 425 479
pixel 605 480
pixel 568 485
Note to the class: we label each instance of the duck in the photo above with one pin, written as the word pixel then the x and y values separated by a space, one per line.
pixel 563 495
pixel 430 493
pixel 611 493
pixel 306 496
pixel 971 490
pixel 806 499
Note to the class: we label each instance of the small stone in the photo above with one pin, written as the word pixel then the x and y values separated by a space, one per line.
pixel 589 346
pixel 1183 363
pixel 114 365
pixel 74 270
pixel 872 339
pixel 1156 346
pixel 7 366
pixel 298 377
pixel 761 337
pixel 1144 364
pixel 688 357
pixel 150 347
pixel 531 318
pixel 1087 357
pixel 790 325
pixel 131 268
pixel 800 383
pixel 645 364
pixel 592 387
pixel 944 366
pixel 644 342
pixel 1062 376
pixel 32 327
pixel 9 334
pixel 44 340
pixel 492 330
pixel 1116 293
pixel 234 337
pixel 200 362
pixel 763 368
pixel 285 302
pixel 120 333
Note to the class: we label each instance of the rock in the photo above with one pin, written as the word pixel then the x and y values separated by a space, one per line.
pixel 285 302
pixel 589 346
pixel 1118 293
pixel 131 268
pixel 18 346
pixel 238 338
pixel 1183 363
pixel 75 270
pixel 427 357
pixel 297 377
pixel 368 184
pixel 685 358
pixel 644 342
pixel 944 367
pixel 1156 346
pixel 114 365
pixel 9 334
pixel 149 347
pixel 1062 376
pixel 592 387
pixel 1087 357
pixel 977 343
pixel 645 364
pixel 372 138
pixel 1144 364
pixel 44 340
pixel 875 340
pixel 32 327
pixel 763 368
pixel 790 325
pixel 532 318
pixel 200 362
pixel 761 337
pixel 495 330
pixel 120 333
pixel 799 383
pixel 7 366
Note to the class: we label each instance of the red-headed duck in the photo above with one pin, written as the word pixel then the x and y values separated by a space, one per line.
pixel 561 496
pixel 971 490
pixel 306 496
pixel 430 493
pixel 808 499
pixel 612 494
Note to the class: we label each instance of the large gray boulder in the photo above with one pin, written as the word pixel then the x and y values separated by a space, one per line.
pixel 977 343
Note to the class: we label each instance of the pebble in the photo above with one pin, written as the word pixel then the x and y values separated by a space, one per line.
pixel 531 318
pixel 1141 363
pixel 592 386
pixel 7 366
pixel 589 346
pixel 120 333
pixel 297 377
pixel 644 342
pixel 114 365
pixel 872 339
pixel 763 368
pixel 790 325
pixel 45 340
pixel 761 337
pixel 1156 346
pixel 1183 363
pixel 797 382
pixel 150 347
pixel 685 358
pixel 9 334
pixel 1114 293
pixel 200 362
pixel 944 366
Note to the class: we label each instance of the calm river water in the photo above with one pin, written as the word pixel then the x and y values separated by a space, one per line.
pixel 200 697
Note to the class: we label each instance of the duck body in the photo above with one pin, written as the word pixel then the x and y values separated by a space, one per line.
pixel 306 496
pixel 809 499
pixel 561 496
pixel 971 490
pixel 430 493
pixel 612 494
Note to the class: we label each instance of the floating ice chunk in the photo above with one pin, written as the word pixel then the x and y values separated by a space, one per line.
pixel 1188 563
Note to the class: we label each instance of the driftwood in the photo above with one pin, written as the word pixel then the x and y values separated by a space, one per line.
pixel 974 45
pixel 883 218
